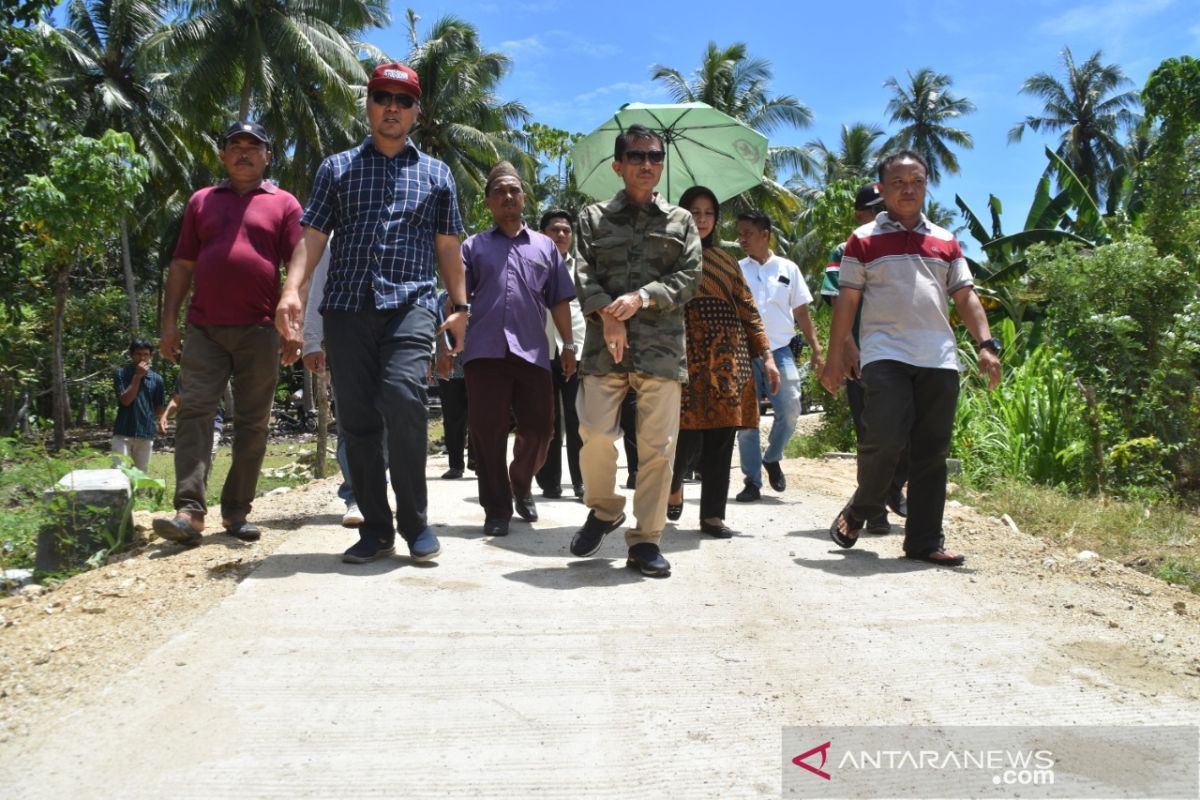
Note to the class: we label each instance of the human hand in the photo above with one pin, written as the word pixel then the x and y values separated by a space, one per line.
pixel 456 326
pixel 989 367
pixel 624 306
pixel 616 337
pixel 315 361
pixel 834 372
pixel 774 379
pixel 170 344
pixel 569 364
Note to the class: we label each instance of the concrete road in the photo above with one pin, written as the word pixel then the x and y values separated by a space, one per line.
pixel 511 669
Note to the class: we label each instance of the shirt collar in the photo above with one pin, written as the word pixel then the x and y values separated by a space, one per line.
pixel 265 186
pixel 620 202
pixel 410 151
pixel 522 234
pixel 884 221
pixel 757 263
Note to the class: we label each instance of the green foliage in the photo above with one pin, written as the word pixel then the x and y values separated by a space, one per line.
pixel 1172 170
pixel 1130 319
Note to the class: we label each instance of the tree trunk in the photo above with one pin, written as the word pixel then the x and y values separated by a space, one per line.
pixel 130 288
pixel 244 108
pixel 59 378
pixel 322 424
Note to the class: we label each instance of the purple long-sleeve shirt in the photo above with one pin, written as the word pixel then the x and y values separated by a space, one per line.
pixel 512 281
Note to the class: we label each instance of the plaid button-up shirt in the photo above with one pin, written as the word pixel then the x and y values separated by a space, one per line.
pixel 385 212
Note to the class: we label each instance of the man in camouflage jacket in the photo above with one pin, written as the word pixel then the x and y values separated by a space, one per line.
pixel 641 262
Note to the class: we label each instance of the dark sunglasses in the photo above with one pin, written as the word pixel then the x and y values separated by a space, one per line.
pixel 402 100
pixel 636 157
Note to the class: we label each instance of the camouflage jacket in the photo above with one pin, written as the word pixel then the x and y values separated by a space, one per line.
pixel 624 249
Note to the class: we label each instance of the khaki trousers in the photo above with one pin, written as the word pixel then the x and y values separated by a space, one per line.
pixel 599 407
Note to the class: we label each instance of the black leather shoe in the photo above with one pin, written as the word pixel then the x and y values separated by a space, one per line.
pixel 749 494
pixel 647 559
pixel 775 475
pixel 720 531
pixel 587 540
pixel 578 489
pixel 495 527
pixel 553 493
pixel 525 508
pixel 452 474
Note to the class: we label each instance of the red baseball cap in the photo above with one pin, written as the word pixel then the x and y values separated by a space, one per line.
pixel 395 76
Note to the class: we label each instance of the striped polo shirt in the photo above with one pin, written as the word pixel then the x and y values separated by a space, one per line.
pixel 906 277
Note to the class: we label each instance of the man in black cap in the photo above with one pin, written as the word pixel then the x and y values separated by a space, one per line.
pixel 867 204
pixel 234 238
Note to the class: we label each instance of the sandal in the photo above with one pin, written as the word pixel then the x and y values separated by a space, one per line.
pixel 852 525
pixel 940 558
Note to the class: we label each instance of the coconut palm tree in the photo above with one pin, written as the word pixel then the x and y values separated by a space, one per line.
pixel 924 108
pixel 855 156
pixel 102 62
pixel 250 54
pixel 1090 110
pixel 462 122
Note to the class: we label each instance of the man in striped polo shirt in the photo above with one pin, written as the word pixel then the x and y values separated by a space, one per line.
pixel 903 269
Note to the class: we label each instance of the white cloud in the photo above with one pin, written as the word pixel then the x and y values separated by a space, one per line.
pixel 1111 16
pixel 626 91
pixel 556 44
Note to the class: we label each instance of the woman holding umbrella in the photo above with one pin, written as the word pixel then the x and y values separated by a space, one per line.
pixel 724 331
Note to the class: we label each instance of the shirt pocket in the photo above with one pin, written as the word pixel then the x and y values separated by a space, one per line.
pixel 662 251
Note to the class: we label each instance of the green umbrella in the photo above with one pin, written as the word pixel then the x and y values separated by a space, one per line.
pixel 705 147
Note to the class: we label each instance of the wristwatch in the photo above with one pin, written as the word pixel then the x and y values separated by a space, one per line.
pixel 463 307
pixel 642 293
pixel 993 345
pixel 574 348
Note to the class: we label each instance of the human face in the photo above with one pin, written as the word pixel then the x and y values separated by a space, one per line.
pixel 754 240
pixel 140 356
pixel 705 215
pixel 640 179
pixel 559 230
pixel 245 158
pixel 506 200
pixel 389 120
pixel 903 190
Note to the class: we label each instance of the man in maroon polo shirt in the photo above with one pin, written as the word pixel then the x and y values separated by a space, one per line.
pixel 514 275
pixel 234 237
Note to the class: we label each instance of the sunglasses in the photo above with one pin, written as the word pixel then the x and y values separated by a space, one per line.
pixel 636 157
pixel 401 100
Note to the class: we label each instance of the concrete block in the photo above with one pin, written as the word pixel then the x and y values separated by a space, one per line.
pixel 87 508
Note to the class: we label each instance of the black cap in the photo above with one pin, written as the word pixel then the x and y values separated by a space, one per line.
pixel 248 128
pixel 868 197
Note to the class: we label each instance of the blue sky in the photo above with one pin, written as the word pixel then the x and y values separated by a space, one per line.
pixel 574 63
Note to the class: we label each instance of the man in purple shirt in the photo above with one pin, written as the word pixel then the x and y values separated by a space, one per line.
pixel 514 275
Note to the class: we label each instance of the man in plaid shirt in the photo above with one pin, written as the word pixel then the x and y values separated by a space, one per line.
pixel 395 211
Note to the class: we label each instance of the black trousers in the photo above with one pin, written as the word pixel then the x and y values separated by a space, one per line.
pixel 629 430
pixel 566 424
pixel 911 407
pixel 380 360
pixel 714 449
pixel 454 418
pixel 857 399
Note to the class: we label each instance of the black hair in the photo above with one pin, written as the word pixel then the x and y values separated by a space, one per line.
pixel 138 343
pixel 555 213
pixel 631 133
pixel 758 218
pixel 901 155
pixel 702 191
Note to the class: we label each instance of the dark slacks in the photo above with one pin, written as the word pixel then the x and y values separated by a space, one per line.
pixel 566 425
pixel 212 354
pixel 454 418
pixel 629 430
pixel 714 450
pixel 496 386
pixel 912 407
pixel 856 397
pixel 380 359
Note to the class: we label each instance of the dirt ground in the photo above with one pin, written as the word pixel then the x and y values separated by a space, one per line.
pixel 60 645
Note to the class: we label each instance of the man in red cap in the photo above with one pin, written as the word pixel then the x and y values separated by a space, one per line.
pixel 395 210
pixel 235 235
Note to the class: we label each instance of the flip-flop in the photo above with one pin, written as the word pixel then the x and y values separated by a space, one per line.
pixel 246 531
pixel 674 512
pixel 179 530
pixel 940 558
pixel 852 526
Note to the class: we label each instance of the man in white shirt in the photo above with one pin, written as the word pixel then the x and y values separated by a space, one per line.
pixel 782 298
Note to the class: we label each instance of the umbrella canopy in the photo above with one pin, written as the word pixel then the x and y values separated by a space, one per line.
pixel 705 147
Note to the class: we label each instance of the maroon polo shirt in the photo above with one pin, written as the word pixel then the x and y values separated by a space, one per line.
pixel 238 243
